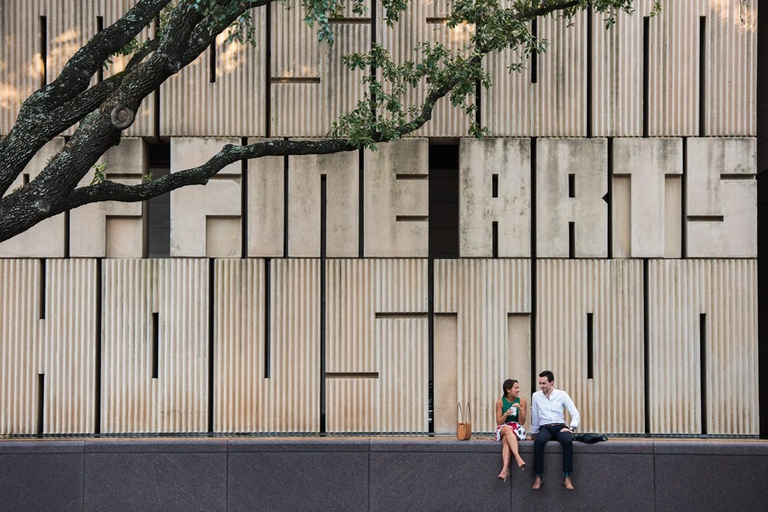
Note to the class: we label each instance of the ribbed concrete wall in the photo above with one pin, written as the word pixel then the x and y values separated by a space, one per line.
pixel 53 336
pixel 134 397
pixel 611 398
pixel 483 293
pixel 226 98
pixel 378 363
pixel 69 25
pixel 240 385
pixel 423 22
pixel 295 346
pixel 680 292
pixel 310 86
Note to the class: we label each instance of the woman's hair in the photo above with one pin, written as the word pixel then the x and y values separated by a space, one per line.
pixel 508 385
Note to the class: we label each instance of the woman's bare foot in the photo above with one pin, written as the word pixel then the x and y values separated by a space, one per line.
pixel 504 474
pixel 537 483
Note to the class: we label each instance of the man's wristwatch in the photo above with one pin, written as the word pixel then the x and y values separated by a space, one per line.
pixel 572 429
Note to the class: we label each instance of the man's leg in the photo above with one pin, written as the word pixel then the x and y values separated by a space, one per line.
pixel 542 438
pixel 566 440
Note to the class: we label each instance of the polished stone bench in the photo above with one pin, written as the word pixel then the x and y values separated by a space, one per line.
pixel 377 473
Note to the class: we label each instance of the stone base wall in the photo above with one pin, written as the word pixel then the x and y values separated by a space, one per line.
pixel 374 474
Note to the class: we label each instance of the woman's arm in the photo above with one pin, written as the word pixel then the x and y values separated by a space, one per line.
pixel 523 412
pixel 500 417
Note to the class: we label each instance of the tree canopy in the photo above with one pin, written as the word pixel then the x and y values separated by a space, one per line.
pixel 103 110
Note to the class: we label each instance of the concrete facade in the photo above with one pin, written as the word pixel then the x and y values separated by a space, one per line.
pixel 597 235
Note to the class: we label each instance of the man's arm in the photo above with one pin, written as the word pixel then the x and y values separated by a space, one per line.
pixel 573 411
pixel 534 415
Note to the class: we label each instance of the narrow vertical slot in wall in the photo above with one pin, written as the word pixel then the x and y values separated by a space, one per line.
pixel 244 202
pixel 571 185
pixel 703 369
pixel 99 28
pixel 44 50
pixel 443 239
pixel 374 39
pixel 646 350
pixel 495 186
pixel 495 237
pixel 589 70
pixel 323 291
pixel 684 203
pixel 40 404
pixel 590 346
pixel 25 178
pixel 478 103
pixel 67 233
pixel 212 62
pixel 609 197
pixel 97 365
pixel 286 182
pixel 267 315
pixel 361 203
pixel 534 54
pixel 646 73
pixel 156 93
pixel 534 296
pixel 159 208
pixel 571 240
pixel 211 339
pixel 268 72
pixel 431 406
pixel 42 305
pixel 702 74
pixel 155 344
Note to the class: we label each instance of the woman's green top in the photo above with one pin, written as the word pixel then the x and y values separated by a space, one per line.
pixel 506 404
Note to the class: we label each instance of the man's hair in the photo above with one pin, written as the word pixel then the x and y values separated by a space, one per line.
pixel 508 384
pixel 548 374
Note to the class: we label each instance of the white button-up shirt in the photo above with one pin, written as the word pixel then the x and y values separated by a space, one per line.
pixel 545 411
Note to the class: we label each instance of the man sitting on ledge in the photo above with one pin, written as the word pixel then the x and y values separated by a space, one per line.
pixel 548 422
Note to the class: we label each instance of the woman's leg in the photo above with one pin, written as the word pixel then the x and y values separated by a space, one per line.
pixel 513 446
pixel 505 453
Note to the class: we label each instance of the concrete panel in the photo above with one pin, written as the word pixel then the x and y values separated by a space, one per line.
pixel 721 487
pixel 111 229
pixel 47 341
pixel 155 346
pixel 436 481
pixel 343 189
pixel 377 340
pixel 642 219
pixel 155 481
pixel 41 481
pixel 703 336
pixel 622 481
pixel 481 162
pixel 219 95
pixel 192 206
pixel 47 238
pixel 424 22
pixel 610 398
pixel 586 160
pixel 721 198
pixel 266 209
pixel 297 481
pixel 489 346
pixel 397 199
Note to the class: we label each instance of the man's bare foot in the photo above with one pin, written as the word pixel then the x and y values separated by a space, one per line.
pixel 537 483
pixel 567 483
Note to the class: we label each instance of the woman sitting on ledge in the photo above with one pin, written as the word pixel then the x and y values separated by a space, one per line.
pixel 510 417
